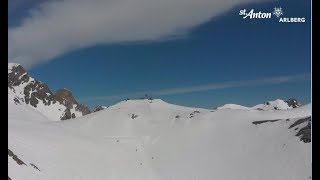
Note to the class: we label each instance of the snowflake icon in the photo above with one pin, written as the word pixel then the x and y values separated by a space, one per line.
pixel 277 11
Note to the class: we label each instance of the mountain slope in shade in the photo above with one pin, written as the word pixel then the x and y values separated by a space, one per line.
pixel 151 139
pixel 23 89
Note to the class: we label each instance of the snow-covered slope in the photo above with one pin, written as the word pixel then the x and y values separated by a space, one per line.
pixel 232 106
pixel 23 89
pixel 154 140
pixel 277 104
pixel 99 108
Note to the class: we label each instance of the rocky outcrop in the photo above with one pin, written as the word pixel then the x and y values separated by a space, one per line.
pixel 65 97
pixel 99 108
pixel 15 158
pixel 264 121
pixel 292 103
pixel 17 76
pixel 28 90
pixel 33 90
pixel 83 108
pixel 67 115
pixel 301 126
pixel 304 130
pixel 37 91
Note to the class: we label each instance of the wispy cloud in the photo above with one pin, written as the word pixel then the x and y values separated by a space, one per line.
pixel 207 87
pixel 57 27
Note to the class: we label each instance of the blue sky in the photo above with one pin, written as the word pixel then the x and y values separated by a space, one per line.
pixel 226 59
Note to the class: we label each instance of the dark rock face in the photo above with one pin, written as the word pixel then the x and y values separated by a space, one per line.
pixel 300 121
pixel 98 108
pixel 17 76
pixel 264 121
pixel 65 97
pixel 292 103
pixel 305 132
pixel 83 108
pixel 35 91
pixel 15 157
pixel 67 114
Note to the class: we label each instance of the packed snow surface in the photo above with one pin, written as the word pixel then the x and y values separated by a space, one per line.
pixel 154 140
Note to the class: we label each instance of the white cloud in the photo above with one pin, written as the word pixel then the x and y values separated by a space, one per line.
pixel 209 87
pixel 56 27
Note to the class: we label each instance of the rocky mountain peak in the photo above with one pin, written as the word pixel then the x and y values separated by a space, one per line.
pixel 292 103
pixel 65 97
pixel 16 75
pixel 24 88
pixel 33 90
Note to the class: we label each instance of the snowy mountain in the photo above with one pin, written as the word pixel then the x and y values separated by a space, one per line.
pixel 23 89
pixel 277 104
pixel 232 106
pixel 99 108
pixel 155 140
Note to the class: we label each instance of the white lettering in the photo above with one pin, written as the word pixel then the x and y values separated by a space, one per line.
pixel 252 15
pixel 292 20
pixel 249 14
pixel 265 15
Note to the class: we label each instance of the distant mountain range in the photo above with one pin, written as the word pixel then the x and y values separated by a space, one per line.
pixel 277 104
pixel 23 89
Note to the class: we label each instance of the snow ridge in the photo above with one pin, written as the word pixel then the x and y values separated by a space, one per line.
pixel 277 104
